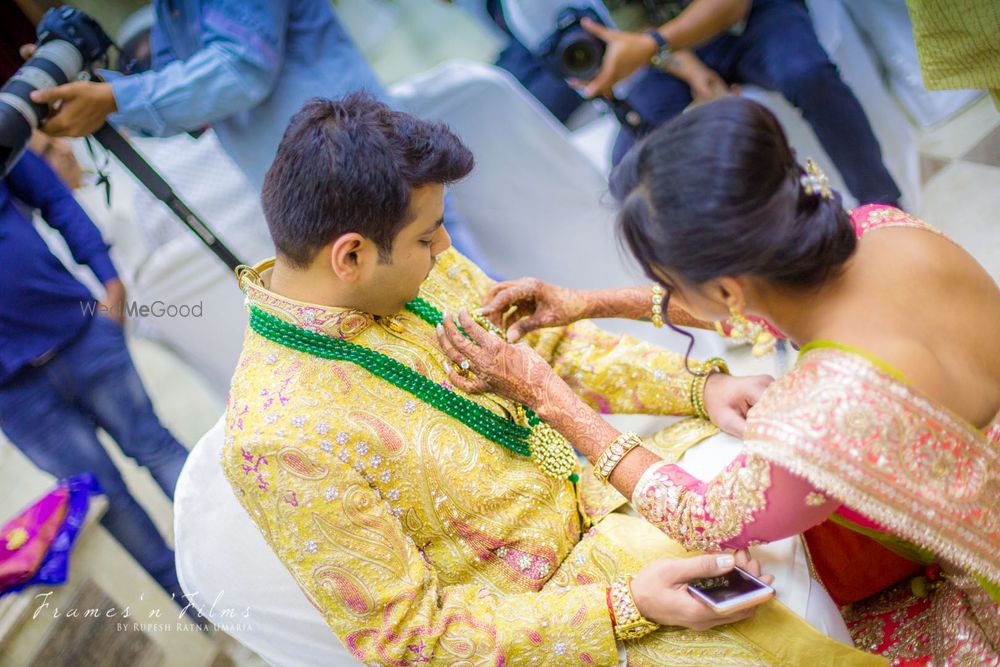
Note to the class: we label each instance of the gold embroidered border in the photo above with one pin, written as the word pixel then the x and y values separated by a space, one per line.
pixel 704 521
pixel 872 442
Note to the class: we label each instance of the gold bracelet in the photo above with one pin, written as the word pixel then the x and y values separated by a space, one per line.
pixel 698 382
pixel 629 623
pixel 656 312
pixel 613 455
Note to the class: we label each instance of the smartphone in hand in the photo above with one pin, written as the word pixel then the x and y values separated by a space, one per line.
pixel 731 592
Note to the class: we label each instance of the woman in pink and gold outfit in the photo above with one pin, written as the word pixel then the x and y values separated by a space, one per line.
pixel 881 445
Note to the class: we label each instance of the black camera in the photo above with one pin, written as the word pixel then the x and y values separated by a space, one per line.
pixel 573 53
pixel 570 50
pixel 69 42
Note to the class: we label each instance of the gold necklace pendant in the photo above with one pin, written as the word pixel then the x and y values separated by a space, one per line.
pixel 551 452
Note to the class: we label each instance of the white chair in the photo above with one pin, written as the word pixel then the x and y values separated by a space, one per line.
pixel 231 575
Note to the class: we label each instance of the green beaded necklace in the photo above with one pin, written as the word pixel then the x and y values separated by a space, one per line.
pixel 536 439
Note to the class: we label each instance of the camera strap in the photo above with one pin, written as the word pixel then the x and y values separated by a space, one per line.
pixel 119 146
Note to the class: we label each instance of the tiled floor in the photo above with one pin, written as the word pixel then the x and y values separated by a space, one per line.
pixel 960 163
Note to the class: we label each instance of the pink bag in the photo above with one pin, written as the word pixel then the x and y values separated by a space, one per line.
pixel 26 538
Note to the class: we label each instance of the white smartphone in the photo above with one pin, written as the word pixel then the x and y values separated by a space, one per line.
pixel 731 592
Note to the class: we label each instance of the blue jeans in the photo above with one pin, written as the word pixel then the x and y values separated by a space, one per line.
pixel 779 51
pixel 52 412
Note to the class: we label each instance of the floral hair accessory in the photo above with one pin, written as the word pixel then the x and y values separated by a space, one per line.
pixel 814 181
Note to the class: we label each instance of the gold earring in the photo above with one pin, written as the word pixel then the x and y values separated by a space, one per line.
pixel 754 334
pixel 742 329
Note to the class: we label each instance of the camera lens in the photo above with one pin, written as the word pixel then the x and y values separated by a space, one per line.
pixel 582 59
pixel 54 63
pixel 68 41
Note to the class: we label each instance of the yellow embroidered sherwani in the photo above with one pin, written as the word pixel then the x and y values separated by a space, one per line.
pixel 420 540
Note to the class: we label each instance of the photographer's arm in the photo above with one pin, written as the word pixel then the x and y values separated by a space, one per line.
pixel 235 69
pixel 701 21
pixel 627 51
pixel 34 182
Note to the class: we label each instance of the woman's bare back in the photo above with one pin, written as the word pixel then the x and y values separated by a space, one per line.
pixel 921 303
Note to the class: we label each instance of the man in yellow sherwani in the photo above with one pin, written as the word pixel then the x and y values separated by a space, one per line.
pixel 426 525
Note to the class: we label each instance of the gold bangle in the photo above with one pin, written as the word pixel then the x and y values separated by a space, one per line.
pixel 656 312
pixel 629 623
pixel 698 382
pixel 614 453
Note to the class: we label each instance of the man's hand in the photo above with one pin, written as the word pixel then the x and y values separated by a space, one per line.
pixel 728 399
pixel 113 303
pixel 705 83
pixel 78 108
pixel 626 52
pixel 661 595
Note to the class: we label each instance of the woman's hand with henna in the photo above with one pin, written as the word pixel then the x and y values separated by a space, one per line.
pixel 489 363
pixel 537 305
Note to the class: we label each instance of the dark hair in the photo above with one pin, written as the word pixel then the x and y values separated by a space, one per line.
pixel 348 166
pixel 716 192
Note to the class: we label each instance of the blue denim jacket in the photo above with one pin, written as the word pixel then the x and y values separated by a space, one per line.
pixel 243 66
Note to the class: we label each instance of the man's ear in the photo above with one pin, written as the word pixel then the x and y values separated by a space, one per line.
pixel 350 255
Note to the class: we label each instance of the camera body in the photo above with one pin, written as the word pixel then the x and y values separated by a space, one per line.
pixel 573 53
pixel 570 50
pixel 69 42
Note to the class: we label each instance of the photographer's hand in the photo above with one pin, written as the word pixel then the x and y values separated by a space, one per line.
pixel 113 303
pixel 626 52
pixel 705 83
pixel 79 108
pixel 700 21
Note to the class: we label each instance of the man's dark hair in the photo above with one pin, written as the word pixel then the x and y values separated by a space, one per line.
pixel 348 166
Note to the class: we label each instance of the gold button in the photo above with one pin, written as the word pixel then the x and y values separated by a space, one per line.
pixel 391 324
